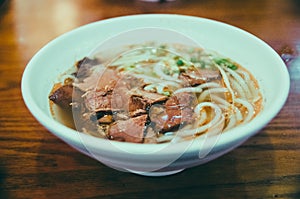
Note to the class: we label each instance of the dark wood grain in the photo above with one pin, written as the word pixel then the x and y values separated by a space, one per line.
pixel 36 164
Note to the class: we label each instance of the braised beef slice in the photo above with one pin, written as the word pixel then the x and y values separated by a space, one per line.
pixel 106 80
pixel 131 82
pixel 131 130
pixel 98 101
pixel 181 100
pixel 83 67
pixel 62 96
pixel 170 119
pixel 101 79
pixel 134 101
pixel 177 110
pixel 86 62
pixel 148 97
pixel 200 76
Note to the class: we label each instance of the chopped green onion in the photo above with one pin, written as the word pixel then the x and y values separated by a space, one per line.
pixel 226 63
pixel 232 67
pixel 179 62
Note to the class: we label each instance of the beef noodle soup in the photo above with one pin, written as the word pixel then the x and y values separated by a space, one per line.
pixel 156 94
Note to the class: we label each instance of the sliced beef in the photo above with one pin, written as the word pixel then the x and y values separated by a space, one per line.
pixel 107 80
pixel 167 119
pixel 141 99
pixel 62 96
pixel 136 103
pixel 158 115
pixel 84 66
pixel 177 110
pixel 86 62
pixel 131 130
pixel 181 100
pixel 131 82
pixel 137 112
pixel 200 76
pixel 101 79
pixel 115 99
pixel 98 101
pixel 122 99
pixel 148 97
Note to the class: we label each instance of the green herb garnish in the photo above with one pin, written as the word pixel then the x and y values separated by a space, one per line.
pixel 226 62
pixel 179 62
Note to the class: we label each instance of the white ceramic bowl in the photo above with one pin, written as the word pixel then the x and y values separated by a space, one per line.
pixel 159 159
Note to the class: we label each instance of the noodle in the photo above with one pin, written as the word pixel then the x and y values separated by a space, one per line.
pixel 226 81
pixel 210 124
pixel 158 69
pixel 240 81
pixel 250 112
pixel 207 92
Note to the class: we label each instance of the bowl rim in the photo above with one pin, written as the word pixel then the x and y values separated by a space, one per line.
pixel 66 134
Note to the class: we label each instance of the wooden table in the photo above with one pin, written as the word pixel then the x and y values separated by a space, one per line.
pixel 36 164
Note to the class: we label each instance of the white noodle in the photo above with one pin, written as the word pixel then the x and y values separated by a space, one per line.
pixel 147 78
pixel 198 89
pixel 221 101
pixel 205 93
pixel 235 114
pixel 202 117
pixel 210 85
pixel 238 114
pixel 217 117
pixel 189 89
pixel 232 122
pixel 158 69
pixel 245 75
pixel 217 128
pixel 238 88
pixel 132 58
pixel 251 85
pixel 226 81
pixel 249 108
pixel 240 81
pixel 165 138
